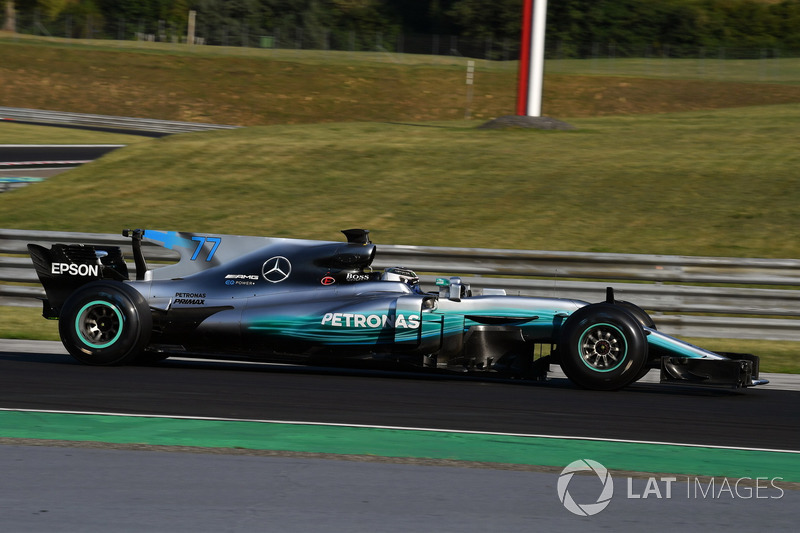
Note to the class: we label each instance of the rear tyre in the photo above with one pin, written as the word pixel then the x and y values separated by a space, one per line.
pixel 603 347
pixel 105 323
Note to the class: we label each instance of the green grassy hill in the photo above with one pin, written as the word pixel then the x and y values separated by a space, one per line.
pixel 712 183
pixel 716 178
pixel 252 87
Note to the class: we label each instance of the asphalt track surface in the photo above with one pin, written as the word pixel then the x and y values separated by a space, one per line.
pixel 48 489
pixel 36 155
pixel 753 418
pixel 97 489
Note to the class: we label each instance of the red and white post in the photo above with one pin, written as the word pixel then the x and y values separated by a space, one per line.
pixel 531 58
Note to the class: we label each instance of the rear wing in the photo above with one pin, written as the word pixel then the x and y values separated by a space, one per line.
pixel 64 267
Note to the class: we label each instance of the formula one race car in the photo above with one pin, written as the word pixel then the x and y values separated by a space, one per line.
pixel 315 301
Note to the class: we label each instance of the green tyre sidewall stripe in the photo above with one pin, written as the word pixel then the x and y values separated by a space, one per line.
pixel 621 335
pixel 79 319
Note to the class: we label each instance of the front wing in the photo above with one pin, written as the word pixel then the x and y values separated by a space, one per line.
pixel 681 362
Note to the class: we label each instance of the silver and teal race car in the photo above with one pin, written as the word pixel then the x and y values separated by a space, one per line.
pixel 320 302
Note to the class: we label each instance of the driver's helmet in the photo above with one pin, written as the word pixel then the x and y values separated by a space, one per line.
pixel 405 275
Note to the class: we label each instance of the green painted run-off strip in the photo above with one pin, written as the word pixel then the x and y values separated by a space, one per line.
pixel 387 442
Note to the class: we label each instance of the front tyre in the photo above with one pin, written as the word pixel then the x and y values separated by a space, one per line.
pixel 645 320
pixel 105 323
pixel 603 347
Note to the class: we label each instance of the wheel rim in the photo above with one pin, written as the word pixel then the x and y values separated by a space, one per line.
pixel 602 347
pixel 99 324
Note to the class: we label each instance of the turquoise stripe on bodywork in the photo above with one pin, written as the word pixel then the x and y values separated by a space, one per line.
pixel 309 328
pixel 433 324
pixel 677 347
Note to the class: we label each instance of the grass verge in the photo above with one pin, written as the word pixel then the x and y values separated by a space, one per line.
pixel 26 323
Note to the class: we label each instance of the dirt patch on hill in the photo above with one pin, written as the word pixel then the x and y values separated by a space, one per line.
pixel 257 91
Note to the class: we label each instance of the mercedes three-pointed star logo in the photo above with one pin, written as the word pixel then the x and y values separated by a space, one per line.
pixel 276 269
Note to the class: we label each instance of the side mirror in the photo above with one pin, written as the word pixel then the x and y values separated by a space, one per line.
pixel 452 288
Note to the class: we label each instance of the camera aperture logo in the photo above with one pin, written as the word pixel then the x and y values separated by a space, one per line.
pixel 581 499
pixel 585 509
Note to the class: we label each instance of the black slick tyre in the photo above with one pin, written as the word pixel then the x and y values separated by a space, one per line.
pixel 603 347
pixel 645 320
pixel 105 323
pixel 638 313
